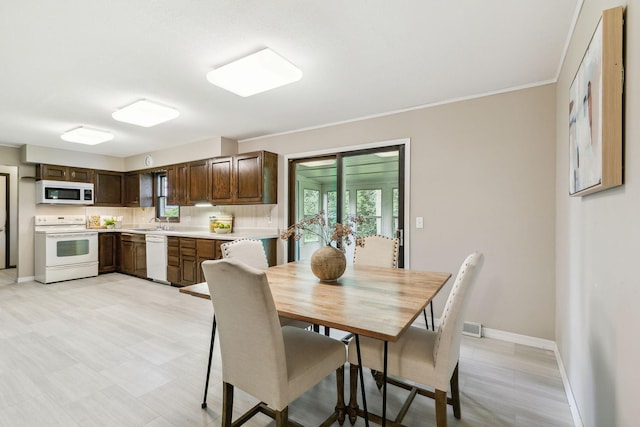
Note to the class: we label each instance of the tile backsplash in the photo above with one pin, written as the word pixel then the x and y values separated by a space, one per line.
pixel 245 216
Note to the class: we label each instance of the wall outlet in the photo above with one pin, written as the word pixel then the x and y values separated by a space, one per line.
pixel 419 222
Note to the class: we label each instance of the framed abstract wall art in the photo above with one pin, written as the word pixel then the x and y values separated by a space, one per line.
pixel 595 110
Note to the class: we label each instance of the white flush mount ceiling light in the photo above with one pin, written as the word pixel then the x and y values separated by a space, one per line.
pixel 88 136
pixel 259 72
pixel 145 113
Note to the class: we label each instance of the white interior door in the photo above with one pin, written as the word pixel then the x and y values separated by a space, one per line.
pixel 3 222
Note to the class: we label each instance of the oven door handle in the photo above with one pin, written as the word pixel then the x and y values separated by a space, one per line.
pixel 57 235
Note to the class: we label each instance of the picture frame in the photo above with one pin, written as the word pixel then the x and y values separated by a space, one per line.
pixel 595 110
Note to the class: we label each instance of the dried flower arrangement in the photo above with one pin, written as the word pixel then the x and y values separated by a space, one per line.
pixel 343 234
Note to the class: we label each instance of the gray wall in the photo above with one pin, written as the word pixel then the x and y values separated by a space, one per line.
pixel 598 240
pixel 482 178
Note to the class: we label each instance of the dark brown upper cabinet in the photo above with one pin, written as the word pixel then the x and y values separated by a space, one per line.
pixel 108 187
pixel 63 173
pixel 221 171
pixel 249 178
pixel 255 178
pixel 177 180
pixel 138 189
pixel 198 182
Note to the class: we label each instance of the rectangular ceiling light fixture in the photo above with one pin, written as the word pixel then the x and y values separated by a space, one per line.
pixel 88 136
pixel 145 113
pixel 259 72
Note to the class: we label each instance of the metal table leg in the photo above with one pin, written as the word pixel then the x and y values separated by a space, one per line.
pixel 384 384
pixel 206 384
pixel 364 398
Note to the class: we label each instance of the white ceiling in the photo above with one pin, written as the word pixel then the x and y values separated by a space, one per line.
pixel 69 63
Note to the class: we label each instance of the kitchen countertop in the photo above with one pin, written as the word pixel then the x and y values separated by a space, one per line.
pixel 258 233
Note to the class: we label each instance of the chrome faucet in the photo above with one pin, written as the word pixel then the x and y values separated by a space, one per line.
pixel 158 222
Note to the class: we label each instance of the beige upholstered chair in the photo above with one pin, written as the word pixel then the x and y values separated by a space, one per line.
pixel 274 364
pixel 422 356
pixel 251 252
pixel 382 251
pixel 379 251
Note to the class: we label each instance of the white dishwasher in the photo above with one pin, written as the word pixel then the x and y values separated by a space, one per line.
pixel 157 257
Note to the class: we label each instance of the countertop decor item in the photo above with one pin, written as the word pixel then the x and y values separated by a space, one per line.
pixel 328 262
pixel 220 223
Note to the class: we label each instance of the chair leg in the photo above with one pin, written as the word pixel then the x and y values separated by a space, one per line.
pixel 340 408
pixel 455 393
pixel 441 408
pixel 426 322
pixel 282 417
pixel 378 377
pixel 227 404
pixel 352 409
pixel 206 383
pixel 433 322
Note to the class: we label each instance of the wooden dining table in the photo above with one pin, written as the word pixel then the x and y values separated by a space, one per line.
pixel 375 302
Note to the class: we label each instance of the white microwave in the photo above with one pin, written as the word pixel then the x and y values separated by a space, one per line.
pixel 64 192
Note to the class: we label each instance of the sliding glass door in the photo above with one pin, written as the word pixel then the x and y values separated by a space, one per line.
pixel 367 183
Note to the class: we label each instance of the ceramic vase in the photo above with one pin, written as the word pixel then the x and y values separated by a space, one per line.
pixel 328 263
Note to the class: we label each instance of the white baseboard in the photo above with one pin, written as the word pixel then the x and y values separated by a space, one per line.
pixel 26 279
pixel 546 345
pixel 520 339
pixel 538 343
pixel 575 413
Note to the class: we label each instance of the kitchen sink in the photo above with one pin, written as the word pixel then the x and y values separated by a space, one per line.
pixel 147 229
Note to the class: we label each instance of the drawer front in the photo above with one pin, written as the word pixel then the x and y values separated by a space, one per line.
pixel 173 251
pixel 188 252
pixel 187 243
pixel 206 248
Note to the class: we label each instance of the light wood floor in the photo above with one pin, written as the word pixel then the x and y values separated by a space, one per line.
pixel 119 351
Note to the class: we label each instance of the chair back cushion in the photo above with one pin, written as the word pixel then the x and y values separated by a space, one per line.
pixel 249 251
pixel 447 346
pixel 251 342
pixel 380 251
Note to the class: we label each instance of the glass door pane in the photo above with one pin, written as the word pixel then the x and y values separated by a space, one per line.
pixel 368 183
pixel 370 186
pixel 315 192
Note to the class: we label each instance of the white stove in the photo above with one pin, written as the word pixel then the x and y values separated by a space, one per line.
pixel 59 223
pixel 65 249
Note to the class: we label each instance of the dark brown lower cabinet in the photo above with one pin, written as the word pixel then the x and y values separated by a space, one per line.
pixel 186 254
pixel 108 251
pixel 133 254
pixel 188 266
pixel 173 260
pixel 206 249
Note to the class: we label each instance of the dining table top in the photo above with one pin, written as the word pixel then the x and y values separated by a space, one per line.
pixel 377 302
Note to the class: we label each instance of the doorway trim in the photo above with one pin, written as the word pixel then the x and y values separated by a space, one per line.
pixel 379 144
pixel 7 225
